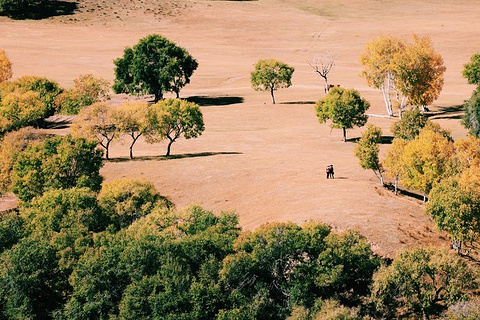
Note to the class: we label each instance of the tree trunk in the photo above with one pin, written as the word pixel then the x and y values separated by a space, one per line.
pixel 396 185
pixel 169 147
pixel 271 93
pixel 177 92
pixel 344 134
pixel 327 87
pixel 158 96
pixel 424 197
pixel 133 143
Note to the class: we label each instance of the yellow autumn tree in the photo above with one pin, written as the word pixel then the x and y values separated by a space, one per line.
pixel 5 67
pixel 96 121
pixel 19 109
pixel 427 159
pixel 393 160
pixel 420 72
pixel 131 119
pixel 405 72
pixel 379 59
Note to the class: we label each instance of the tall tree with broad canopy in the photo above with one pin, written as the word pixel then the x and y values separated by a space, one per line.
pixel 404 71
pixel 420 73
pixel 420 283
pixel 271 74
pixel 153 66
pixel 379 59
pixel 471 70
pixel 5 67
pixel 344 107
pixel 171 118
pixel 367 150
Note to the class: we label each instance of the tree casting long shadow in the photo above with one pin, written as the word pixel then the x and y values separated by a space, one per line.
pixel 449 112
pixel 44 10
pixel 174 156
pixel 204 101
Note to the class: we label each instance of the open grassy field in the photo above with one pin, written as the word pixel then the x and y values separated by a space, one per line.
pixel 264 161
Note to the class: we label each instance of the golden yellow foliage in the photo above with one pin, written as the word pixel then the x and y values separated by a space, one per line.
pixel 5 67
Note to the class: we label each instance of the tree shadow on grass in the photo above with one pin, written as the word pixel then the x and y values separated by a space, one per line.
pixel 385 140
pixel 204 101
pixel 49 9
pixel 174 156
pixel 402 192
pixel 299 102
pixel 448 112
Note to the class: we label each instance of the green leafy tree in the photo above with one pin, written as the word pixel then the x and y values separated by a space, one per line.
pixel 171 118
pixel 420 282
pixel 344 107
pixel 127 200
pixel 165 265
pixel 427 159
pixel 410 125
pixel 31 284
pixel 86 90
pixel 155 65
pixel 367 150
pixel 281 264
pixel 131 119
pixel 96 122
pixel 5 65
pixel 271 74
pixel 12 229
pixel 455 208
pixel 471 117
pixel 13 143
pixel 471 70
pixel 58 162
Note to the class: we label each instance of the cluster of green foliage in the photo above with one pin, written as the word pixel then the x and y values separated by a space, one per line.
pixel 471 117
pixel 344 107
pixel 167 119
pixel 126 253
pixel 368 149
pixel 86 90
pixel 57 162
pixel 271 75
pixel 153 66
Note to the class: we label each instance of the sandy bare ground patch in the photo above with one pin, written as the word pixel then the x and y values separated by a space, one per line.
pixel 265 162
